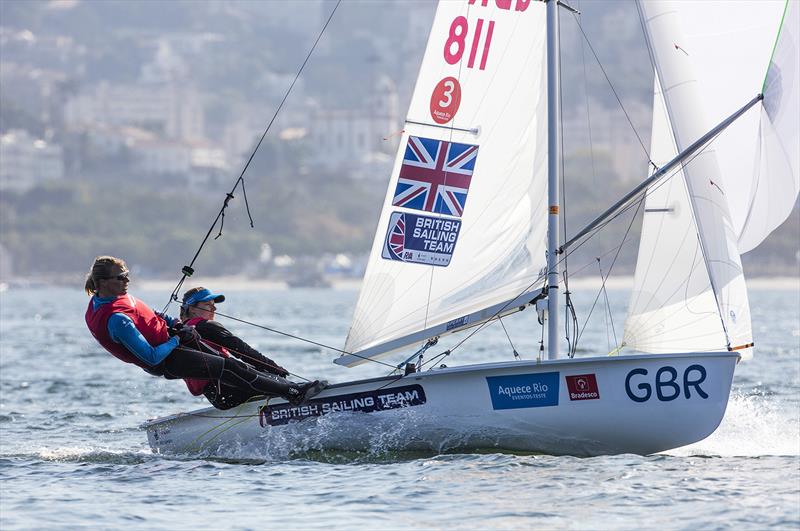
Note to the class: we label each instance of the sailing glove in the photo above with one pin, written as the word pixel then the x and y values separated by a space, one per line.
pixel 188 335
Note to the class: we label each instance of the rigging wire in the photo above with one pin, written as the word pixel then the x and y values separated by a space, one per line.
pixel 513 348
pixel 603 286
pixel 305 340
pixel 568 308
pixel 616 95
pixel 607 313
pixel 188 269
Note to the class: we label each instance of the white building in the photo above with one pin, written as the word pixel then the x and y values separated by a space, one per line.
pixel 196 160
pixel 359 140
pixel 26 161
pixel 168 109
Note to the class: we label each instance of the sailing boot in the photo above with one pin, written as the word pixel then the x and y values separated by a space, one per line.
pixel 299 394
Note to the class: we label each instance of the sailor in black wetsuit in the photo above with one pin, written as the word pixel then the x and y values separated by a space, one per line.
pixel 197 309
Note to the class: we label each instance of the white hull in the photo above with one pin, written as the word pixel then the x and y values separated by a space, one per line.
pixel 550 407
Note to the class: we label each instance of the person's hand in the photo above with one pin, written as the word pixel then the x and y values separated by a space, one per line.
pixel 171 321
pixel 188 335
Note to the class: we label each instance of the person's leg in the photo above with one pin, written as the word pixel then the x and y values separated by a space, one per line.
pixel 223 396
pixel 188 363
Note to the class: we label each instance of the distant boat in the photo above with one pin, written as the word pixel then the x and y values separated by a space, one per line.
pixel 308 279
pixel 469 233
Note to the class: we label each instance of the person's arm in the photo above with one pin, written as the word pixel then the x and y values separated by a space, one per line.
pixel 171 321
pixel 122 330
pixel 216 333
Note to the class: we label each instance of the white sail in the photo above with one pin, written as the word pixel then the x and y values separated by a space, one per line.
pixel 776 179
pixel 672 306
pixel 451 253
pixel 730 45
pixel 716 234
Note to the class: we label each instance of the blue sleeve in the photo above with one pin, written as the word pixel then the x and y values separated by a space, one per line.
pixel 171 321
pixel 122 330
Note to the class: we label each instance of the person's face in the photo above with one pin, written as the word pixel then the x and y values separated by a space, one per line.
pixel 115 284
pixel 204 310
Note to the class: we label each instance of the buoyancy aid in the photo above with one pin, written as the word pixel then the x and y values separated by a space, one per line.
pixel 151 326
pixel 197 385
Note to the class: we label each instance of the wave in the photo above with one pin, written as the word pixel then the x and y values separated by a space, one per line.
pixel 755 425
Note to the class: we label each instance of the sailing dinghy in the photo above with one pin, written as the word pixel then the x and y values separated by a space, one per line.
pixel 469 234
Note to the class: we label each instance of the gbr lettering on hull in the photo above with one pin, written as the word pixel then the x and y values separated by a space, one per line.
pixel 667 386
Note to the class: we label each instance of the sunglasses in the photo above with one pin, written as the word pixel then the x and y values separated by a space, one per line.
pixel 122 277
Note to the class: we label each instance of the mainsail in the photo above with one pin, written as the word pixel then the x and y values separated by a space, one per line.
pixel 689 293
pixel 462 233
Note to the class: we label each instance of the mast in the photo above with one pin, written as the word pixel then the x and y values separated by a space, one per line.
pixel 554 174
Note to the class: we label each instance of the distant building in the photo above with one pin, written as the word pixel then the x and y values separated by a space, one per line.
pixel 26 161
pixel 611 133
pixel 360 141
pixel 196 160
pixel 169 110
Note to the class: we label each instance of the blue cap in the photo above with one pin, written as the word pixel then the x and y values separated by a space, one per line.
pixel 204 295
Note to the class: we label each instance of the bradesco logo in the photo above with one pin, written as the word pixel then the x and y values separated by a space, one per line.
pixel 582 387
pixel 523 390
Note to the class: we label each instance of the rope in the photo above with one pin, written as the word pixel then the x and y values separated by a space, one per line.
pixel 286 334
pixel 188 270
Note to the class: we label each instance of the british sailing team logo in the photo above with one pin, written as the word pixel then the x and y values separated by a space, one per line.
pixel 420 239
pixel 435 177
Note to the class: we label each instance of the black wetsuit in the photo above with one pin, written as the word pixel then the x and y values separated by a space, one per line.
pixel 221 394
pixel 219 335
pixel 234 381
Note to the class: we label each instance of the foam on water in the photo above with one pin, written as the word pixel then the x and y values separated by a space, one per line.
pixel 754 425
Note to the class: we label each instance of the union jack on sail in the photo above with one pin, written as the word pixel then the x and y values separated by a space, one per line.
pixel 435 176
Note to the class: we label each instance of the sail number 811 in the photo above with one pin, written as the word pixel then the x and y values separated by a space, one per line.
pixel 456 42
pixel 666 383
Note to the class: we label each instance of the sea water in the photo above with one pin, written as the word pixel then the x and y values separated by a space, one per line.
pixel 72 453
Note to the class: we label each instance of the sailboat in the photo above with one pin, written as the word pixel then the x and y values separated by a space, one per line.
pixel 469 234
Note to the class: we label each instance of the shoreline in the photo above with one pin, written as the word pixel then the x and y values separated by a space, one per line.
pixel 242 283
pixel 238 283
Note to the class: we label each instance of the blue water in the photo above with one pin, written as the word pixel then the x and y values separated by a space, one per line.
pixel 71 453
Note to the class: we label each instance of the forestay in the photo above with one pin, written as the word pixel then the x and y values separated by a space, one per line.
pixel 463 227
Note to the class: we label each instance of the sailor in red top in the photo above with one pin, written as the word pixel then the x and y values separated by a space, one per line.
pixel 131 331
